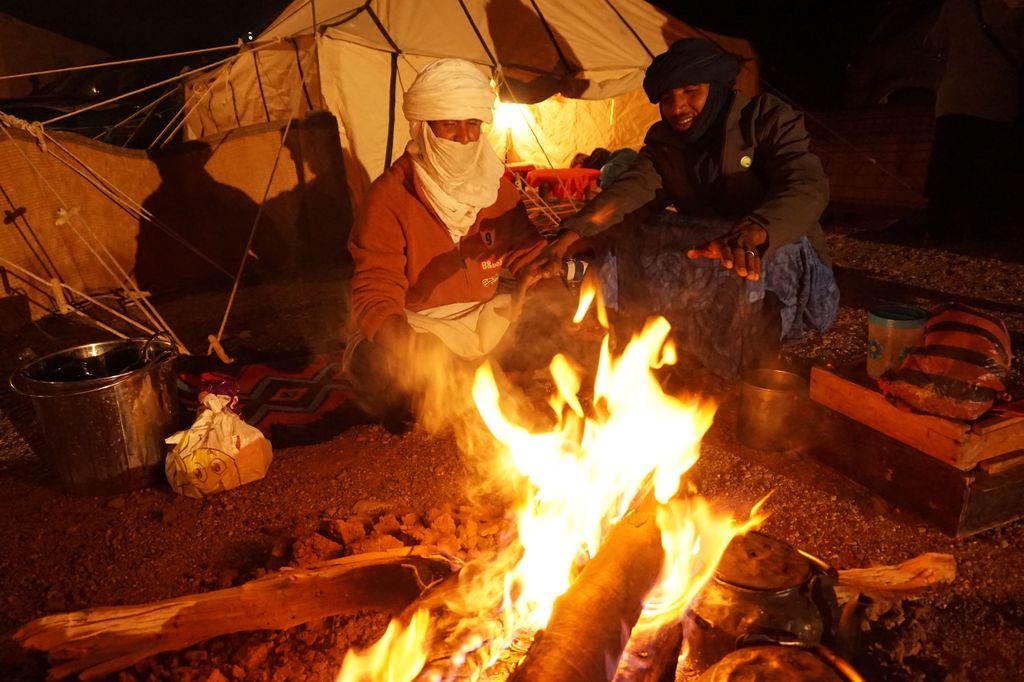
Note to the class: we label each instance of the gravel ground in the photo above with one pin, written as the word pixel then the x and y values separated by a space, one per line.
pixel 64 553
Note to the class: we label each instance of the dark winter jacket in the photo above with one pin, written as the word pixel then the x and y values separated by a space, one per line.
pixel 767 175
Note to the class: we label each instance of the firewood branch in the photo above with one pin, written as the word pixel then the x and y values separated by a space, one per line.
pixel 903 581
pixel 103 640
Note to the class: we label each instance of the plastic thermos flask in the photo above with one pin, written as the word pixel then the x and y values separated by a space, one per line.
pixel 893 331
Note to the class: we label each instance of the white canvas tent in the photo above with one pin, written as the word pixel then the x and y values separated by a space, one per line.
pixel 568 72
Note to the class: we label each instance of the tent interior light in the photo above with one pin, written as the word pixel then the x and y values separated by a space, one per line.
pixel 513 117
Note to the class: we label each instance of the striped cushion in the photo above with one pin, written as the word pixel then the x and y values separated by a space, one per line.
pixel 959 368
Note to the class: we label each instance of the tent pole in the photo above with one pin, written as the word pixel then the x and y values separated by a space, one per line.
pixel 316 53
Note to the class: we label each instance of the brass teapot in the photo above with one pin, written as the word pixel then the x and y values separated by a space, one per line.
pixel 762 587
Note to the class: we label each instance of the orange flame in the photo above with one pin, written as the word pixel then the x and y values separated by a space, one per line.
pixel 577 480
pixel 694 538
pixel 590 293
pixel 398 656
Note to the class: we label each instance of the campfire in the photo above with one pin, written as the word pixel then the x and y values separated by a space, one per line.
pixel 616 568
pixel 601 509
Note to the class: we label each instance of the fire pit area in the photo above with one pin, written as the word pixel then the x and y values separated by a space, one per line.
pixel 766 606
pixel 385 519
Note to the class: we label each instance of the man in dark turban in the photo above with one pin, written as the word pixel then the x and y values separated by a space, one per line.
pixel 692 63
pixel 716 222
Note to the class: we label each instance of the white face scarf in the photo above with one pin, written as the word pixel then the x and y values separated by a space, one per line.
pixel 457 179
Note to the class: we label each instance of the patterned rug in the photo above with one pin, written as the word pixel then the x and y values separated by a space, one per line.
pixel 281 397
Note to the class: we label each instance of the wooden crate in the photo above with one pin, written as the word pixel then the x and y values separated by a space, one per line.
pixel 957 502
pixel 960 477
pixel 963 445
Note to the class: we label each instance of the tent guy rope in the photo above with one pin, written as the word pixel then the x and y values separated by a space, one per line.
pixel 215 339
pixel 122 62
pixel 113 268
pixel 172 79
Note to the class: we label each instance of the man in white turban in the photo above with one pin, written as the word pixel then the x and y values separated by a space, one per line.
pixel 431 241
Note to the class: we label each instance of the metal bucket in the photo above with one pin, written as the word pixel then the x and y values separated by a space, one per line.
pixel 771 402
pixel 105 409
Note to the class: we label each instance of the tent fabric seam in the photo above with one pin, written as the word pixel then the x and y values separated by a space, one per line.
pixel 631 29
pixel 389 148
pixel 570 68
pixel 259 83
pixel 302 74
pixel 479 36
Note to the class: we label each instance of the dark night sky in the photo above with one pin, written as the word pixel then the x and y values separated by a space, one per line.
pixel 130 28
pixel 804 44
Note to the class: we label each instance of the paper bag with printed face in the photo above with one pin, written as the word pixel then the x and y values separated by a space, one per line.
pixel 219 451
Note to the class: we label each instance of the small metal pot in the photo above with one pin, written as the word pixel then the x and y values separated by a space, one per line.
pixel 771 405
pixel 762 586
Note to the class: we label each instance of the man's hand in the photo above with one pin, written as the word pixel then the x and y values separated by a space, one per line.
pixel 737 250
pixel 548 263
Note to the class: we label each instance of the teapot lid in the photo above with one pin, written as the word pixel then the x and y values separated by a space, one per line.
pixel 756 561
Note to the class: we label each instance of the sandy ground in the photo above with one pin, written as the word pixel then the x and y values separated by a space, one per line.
pixel 64 553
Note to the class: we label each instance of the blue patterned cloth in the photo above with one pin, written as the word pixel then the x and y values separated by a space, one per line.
pixel 717 317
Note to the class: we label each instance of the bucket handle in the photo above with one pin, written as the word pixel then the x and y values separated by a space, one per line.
pixel 144 354
pixel 18 384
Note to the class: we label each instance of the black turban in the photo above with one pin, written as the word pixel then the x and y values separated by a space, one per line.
pixel 687 62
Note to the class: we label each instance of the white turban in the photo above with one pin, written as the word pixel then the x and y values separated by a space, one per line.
pixel 450 90
pixel 457 179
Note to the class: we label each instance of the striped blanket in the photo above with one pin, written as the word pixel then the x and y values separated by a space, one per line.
pixel 958 370
pixel 288 394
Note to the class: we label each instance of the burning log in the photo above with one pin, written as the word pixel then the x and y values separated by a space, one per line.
pixel 467 634
pixel 586 635
pixel 574 481
pixel 650 655
pixel 592 621
pixel 104 640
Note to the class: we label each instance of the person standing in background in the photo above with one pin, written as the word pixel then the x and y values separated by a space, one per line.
pixel 976 145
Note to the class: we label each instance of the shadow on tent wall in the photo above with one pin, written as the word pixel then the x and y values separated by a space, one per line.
pixel 210 193
pixel 75 200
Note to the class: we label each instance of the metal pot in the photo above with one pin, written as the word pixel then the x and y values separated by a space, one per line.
pixel 771 405
pixel 105 409
pixel 762 586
